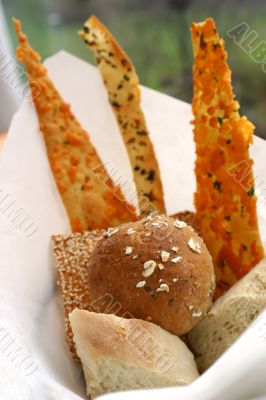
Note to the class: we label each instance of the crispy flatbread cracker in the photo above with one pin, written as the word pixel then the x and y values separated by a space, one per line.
pixel 89 195
pixel 124 95
pixel 225 197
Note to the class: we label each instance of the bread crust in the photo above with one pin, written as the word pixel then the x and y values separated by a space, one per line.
pixel 122 354
pixel 175 293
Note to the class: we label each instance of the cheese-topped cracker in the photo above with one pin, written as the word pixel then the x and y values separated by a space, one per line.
pixel 124 95
pixel 90 201
pixel 225 200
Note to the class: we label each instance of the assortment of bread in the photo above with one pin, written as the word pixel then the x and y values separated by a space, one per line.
pixel 133 281
pixel 72 253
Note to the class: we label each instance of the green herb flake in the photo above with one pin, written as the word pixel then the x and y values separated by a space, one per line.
pixel 251 192
pixel 217 185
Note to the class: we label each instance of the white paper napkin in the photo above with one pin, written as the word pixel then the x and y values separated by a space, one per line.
pixel 34 359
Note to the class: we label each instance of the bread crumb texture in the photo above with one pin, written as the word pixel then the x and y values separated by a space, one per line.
pixel 229 317
pixel 122 354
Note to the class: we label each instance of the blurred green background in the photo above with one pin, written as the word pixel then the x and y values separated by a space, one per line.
pixel 155 34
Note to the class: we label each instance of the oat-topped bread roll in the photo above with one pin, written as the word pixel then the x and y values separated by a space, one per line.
pixel 122 354
pixel 157 269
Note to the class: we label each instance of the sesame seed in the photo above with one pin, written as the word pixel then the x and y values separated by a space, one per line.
pixel 135 257
pixel 176 259
pixel 160 266
pixel 179 224
pixel 70 243
pixel 148 218
pixel 130 231
pixel 175 249
pixel 148 234
pixel 194 246
pixel 163 288
pixel 156 224
pixel 164 255
pixel 111 231
pixel 140 284
pixel 197 314
pixel 160 280
pixel 175 280
pixel 128 250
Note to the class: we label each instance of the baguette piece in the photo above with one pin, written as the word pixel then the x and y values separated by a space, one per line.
pixel 90 197
pixel 229 317
pixel 122 85
pixel 225 200
pixel 122 354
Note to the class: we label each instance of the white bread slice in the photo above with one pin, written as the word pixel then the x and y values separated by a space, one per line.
pixel 120 354
pixel 230 315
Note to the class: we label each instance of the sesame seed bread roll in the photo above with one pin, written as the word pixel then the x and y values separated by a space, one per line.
pixel 123 354
pixel 157 269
